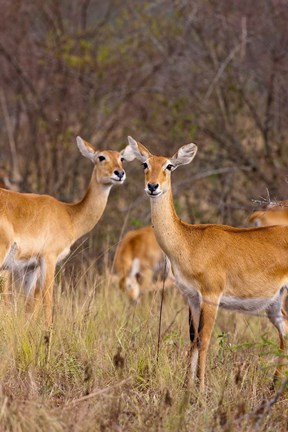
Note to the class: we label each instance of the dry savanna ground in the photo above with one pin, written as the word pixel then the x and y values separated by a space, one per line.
pixel 100 370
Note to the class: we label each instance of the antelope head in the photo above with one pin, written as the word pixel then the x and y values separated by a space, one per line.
pixel 107 163
pixel 158 168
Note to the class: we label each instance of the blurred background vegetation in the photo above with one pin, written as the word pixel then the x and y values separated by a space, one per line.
pixel 166 72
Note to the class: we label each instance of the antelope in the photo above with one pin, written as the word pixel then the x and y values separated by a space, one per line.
pixel 37 231
pixel 273 215
pixel 138 260
pixel 6 183
pixel 242 269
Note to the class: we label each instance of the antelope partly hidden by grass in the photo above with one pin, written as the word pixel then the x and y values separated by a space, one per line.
pixel 272 215
pixel 244 269
pixel 37 231
pixel 139 262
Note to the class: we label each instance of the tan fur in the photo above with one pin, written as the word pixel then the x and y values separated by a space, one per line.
pixel 5 275
pixel 44 228
pixel 215 264
pixel 271 216
pixel 141 245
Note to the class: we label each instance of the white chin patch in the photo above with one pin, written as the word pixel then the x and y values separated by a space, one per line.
pixel 154 195
pixel 117 180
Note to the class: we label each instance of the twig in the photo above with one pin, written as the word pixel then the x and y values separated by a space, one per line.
pixel 161 308
pixel 14 157
pixel 208 173
pixel 266 405
pixel 98 392
pixel 225 63
pixel 173 321
pixel 120 239
pixel 268 204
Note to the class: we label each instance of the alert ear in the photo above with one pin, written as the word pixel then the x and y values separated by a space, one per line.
pixel 127 154
pixel 86 149
pixel 184 155
pixel 139 150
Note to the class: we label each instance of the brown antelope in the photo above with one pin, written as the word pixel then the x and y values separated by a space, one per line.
pixel 6 183
pixel 242 269
pixel 37 231
pixel 272 215
pixel 138 261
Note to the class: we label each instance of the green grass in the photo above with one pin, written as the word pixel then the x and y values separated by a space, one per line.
pixel 100 372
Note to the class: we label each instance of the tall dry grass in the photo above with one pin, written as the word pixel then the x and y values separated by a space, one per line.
pixel 99 372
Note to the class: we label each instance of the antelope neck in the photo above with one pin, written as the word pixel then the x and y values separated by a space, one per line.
pixel 166 223
pixel 86 213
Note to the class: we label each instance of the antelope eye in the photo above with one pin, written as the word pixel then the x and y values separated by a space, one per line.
pixel 101 158
pixel 169 167
pixel 122 159
pixel 145 165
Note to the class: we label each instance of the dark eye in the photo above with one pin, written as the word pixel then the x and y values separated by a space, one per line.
pixel 122 159
pixel 145 165
pixel 101 158
pixel 169 167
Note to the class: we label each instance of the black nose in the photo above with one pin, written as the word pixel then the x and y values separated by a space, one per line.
pixel 152 187
pixel 119 174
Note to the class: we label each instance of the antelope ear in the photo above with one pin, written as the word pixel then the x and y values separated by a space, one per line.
pixel 184 155
pixel 127 154
pixel 139 150
pixel 86 149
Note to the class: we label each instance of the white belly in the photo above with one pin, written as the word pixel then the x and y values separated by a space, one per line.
pixel 247 304
pixel 188 288
pixel 191 291
pixel 11 261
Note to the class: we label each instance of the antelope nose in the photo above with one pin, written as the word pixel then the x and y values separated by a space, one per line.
pixel 152 187
pixel 119 174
